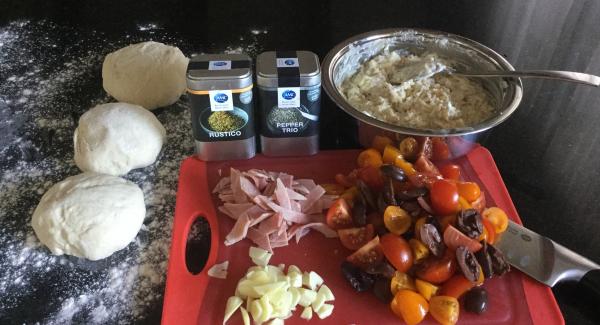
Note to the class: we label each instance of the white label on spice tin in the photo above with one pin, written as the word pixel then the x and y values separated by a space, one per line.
pixel 220 100
pixel 219 65
pixel 288 97
pixel 287 62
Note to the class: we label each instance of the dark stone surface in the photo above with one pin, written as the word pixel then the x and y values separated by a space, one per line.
pixel 548 152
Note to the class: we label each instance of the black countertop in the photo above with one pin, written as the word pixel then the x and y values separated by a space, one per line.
pixel 548 152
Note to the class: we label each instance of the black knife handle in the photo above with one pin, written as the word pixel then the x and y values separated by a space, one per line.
pixel 591 282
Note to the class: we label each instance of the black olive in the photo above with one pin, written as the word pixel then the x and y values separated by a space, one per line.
pixel 468 264
pixel 358 279
pixel 469 223
pixel 366 194
pixel 411 194
pixel 359 213
pixel 393 172
pixel 382 290
pixel 499 263
pixel 476 300
pixel 431 237
pixel 484 260
pixel 383 269
pixel 388 192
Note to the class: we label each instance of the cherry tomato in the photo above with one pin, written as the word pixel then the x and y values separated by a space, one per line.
pixel 369 157
pixel 454 238
pixel 489 234
pixel 390 153
pixel 369 255
pixel 426 289
pixel 469 190
pixel 444 197
pixel 409 148
pixel 444 309
pixel 451 172
pixel 418 179
pixel 355 238
pixel 371 176
pixel 464 205
pixel 437 270
pixel 425 165
pixel 440 150
pixel 338 215
pixel 407 167
pixel 402 281
pixel 396 220
pixel 479 204
pixel 397 251
pixel 497 217
pixel 456 286
pixel 410 306
pixel 420 251
pixel 380 142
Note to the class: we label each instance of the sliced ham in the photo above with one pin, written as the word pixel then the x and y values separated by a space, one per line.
pixel 270 208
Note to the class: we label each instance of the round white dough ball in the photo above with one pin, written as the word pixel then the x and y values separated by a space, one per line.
pixel 89 215
pixel 149 74
pixel 115 138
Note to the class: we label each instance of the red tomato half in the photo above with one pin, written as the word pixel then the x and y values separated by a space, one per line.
pixel 451 172
pixel 444 197
pixel 338 215
pixel 440 150
pixel 454 238
pixel 370 255
pixel 424 165
pixel 355 238
pixel 437 270
pixel 397 251
pixel 456 286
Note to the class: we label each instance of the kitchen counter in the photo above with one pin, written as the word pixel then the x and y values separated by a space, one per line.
pixel 51 53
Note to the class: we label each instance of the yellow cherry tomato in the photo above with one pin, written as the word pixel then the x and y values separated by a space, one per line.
pixel 420 251
pixel 396 220
pixel 402 281
pixel 497 217
pixel 410 306
pixel 426 289
pixel 370 157
pixel 444 309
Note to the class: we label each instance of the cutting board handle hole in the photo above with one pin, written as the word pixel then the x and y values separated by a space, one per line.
pixel 197 245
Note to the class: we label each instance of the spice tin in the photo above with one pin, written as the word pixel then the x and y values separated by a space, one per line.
pixel 289 85
pixel 219 87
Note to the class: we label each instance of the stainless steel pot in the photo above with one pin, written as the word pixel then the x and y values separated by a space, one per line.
pixel 345 59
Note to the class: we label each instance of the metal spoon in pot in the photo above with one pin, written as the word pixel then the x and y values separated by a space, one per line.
pixel 428 68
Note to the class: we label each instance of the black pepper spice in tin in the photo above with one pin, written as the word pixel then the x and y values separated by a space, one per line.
pixel 220 92
pixel 289 85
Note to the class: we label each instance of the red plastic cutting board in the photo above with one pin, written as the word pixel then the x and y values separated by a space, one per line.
pixel 200 299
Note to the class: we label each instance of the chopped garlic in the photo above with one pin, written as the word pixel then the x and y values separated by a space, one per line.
pixel 259 256
pixel 306 297
pixel 318 302
pixel 233 303
pixel 325 311
pixel 293 268
pixel 306 313
pixel 326 293
pixel 245 316
pixel 295 279
pixel 276 321
pixel 312 280
pixel 219 271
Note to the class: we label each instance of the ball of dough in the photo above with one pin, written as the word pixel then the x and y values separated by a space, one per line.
pixel 115 138
pixel 149 74
pixel 89 215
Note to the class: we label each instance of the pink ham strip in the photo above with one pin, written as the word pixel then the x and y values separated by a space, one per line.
pixel 239 231
pixel 227 197
pixel 248 188
pixel 272 224
pixel 238 194
pixel 295 195
pixel 237 209
pixel 308 183
pixel 260 218
pixel 227 212
pixel 269 189
pixel 312 197
pixel 222 184
pixel 282 196
pixel 286 179
pixel 289 215
pixel 259 239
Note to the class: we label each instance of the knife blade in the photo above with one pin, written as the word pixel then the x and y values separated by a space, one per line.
pixel 544 260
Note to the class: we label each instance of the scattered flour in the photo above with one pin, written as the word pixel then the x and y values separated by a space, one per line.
pixel 44 88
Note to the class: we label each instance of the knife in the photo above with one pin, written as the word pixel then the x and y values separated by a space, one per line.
pixel 546 261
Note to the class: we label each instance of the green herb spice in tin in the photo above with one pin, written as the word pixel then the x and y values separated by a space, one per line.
pixel 284 115
pixel 225 121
